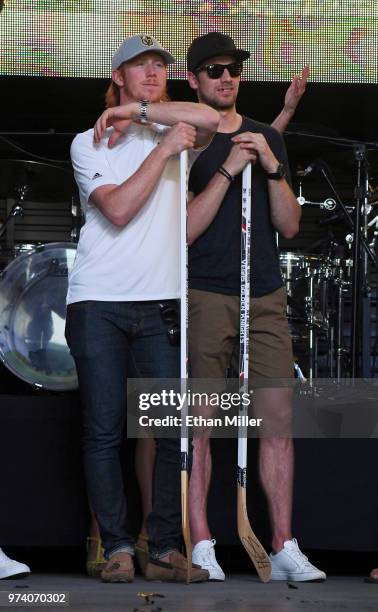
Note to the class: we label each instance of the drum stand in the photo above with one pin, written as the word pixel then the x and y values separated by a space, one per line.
pixel 312 337
pixel 17 210
pixel 316 329
pixel 339 350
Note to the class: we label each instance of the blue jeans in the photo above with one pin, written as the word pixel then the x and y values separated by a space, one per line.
pixel 110 341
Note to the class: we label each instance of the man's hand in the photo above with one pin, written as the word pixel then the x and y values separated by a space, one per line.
pixel 296 91
pixel 257 147
pixel 179 137
pixel 119 117
pixel 238 158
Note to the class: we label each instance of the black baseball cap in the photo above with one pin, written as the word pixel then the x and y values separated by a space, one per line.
pixel 210 45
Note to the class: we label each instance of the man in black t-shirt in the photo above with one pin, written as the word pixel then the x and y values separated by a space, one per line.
pixel 214 226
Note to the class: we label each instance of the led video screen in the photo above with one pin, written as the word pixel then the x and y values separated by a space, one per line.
pixel 76 38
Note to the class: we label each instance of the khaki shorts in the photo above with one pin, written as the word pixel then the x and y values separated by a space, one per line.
pixel 214 321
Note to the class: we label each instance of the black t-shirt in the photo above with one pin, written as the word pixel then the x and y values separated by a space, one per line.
pixel 214 258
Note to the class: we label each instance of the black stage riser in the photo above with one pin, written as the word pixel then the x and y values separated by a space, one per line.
pixel 43 500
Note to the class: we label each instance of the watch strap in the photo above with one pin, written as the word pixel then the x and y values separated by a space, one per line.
pixel 143 111
pixel 280 173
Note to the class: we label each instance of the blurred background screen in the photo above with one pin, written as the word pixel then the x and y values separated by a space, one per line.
pixel 76 38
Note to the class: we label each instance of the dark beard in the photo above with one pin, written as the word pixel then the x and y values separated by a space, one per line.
pixel 216 105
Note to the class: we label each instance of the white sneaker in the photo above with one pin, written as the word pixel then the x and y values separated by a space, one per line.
pixel 10 567
pixel 291 564
pixel 203 554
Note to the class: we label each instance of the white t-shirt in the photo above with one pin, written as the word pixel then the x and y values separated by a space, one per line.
pixel 141 260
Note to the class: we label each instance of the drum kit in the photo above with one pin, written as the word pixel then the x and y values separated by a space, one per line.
pixel 319 291
pixel 317 287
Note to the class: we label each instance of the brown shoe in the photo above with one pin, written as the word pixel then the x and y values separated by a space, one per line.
pixel 119 568
pixel 175 570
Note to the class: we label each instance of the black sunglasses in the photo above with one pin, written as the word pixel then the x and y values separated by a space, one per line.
pixel 215 71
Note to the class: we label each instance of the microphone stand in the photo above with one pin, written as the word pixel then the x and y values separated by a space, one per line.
pixel 364 367
pixel 360 155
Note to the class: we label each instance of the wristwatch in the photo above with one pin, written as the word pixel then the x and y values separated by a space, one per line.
pixel 280 173
pixel 143 111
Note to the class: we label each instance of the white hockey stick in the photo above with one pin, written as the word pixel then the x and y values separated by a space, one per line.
pixel 250 542
pixel 184 360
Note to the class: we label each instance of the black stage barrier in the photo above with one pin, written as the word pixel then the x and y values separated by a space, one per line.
pixel 43 500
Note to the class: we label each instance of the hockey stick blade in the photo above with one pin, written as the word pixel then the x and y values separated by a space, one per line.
pixel 253 547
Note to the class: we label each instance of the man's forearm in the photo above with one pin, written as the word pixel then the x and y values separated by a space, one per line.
pixel 200 116
pixel 203 207
pixel 292 98
pixel 282 120
pixel 119 204
pixel 285 212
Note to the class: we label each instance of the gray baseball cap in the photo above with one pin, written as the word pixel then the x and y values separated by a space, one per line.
pixel 135 45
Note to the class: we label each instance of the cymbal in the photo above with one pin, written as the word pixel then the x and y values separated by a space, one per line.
pixel 40 182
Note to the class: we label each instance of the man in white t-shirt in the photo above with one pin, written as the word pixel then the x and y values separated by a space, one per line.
pixel 125 273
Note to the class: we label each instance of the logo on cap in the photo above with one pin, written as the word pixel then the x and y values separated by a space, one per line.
pixel 147 40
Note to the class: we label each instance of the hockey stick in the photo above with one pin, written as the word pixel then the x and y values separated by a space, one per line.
pixel 250 542
pixel 184 361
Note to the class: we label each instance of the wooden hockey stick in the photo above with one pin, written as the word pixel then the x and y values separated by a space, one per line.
pixel 184 361
pixel 250 542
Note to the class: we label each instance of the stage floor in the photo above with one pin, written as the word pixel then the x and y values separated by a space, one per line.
pixel 240 593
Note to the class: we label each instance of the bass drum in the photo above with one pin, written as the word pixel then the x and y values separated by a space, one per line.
pixel 33 290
